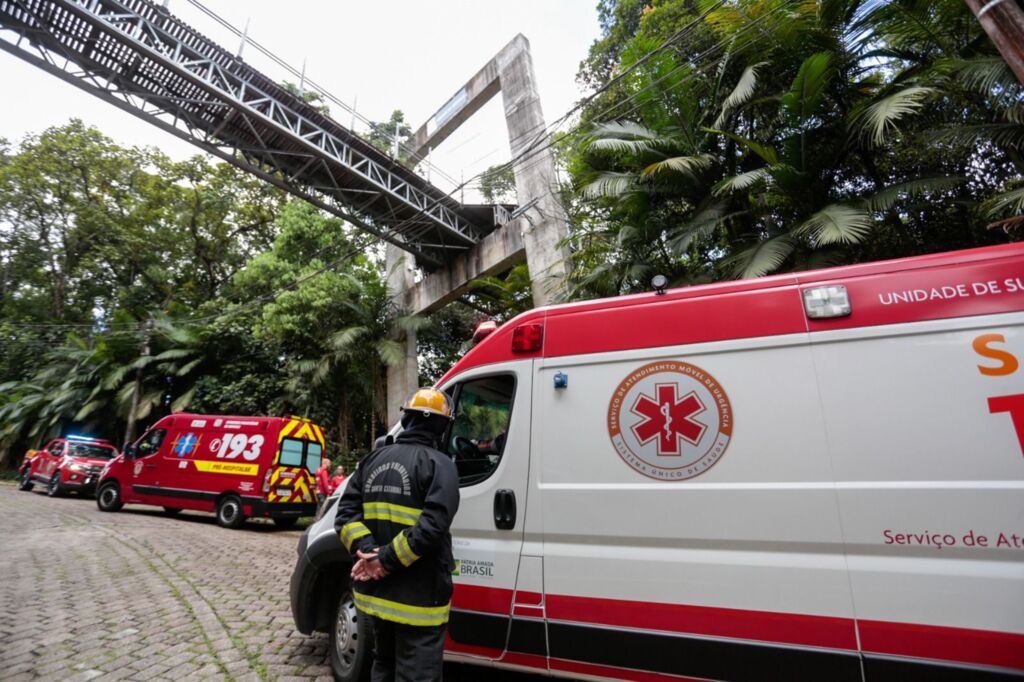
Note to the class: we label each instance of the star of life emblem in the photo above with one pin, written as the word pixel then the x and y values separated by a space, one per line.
pixel 670 420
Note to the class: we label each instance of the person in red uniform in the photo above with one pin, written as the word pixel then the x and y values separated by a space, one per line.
pixel 323 481
pixel 337 479
pixel 394 519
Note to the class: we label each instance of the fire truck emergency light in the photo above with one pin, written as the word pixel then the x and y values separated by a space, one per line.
pixel 827 301
pixel 483 330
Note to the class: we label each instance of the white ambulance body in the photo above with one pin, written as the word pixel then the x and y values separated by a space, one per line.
pixel 712 483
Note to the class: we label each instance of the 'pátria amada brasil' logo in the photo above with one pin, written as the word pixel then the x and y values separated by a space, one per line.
pixel 670 420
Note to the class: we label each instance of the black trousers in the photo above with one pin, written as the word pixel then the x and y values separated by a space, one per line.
pixel 407 653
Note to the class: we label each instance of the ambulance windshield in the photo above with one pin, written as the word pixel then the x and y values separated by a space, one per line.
pixel 477 441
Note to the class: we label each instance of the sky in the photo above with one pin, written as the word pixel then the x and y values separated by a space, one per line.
pixel 401 54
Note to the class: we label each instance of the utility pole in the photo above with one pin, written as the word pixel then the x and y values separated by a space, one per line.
pixel 1003 21
pixel 147 333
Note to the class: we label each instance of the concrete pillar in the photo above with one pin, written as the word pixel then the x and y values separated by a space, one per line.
pixel 403 378
pixel 545 222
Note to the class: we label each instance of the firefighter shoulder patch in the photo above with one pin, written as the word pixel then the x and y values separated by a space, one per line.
pixel 670 420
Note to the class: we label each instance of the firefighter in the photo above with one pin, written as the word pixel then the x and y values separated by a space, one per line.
pixel 394 518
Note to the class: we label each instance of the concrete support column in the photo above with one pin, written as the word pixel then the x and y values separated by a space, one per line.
pixel 403 378
pixel 545 221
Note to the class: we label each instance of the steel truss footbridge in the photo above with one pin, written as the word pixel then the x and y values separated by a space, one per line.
pixel 141 58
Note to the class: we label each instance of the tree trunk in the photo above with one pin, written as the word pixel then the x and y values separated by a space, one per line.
pixel 345 422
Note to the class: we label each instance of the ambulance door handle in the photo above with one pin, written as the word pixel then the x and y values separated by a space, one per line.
pixel 505 509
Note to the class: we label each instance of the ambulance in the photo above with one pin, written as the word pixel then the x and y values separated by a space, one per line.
pixel 235 467
pixel 810 476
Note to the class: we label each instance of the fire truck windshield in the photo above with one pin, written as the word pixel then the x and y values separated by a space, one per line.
pixel 87 450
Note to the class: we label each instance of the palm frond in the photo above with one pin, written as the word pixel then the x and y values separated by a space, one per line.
pixel 760 259
pixel 985 74
pixel 624 137
pixel 391 352
pixel 182 402
pixel 690 166
pixel 886 198
pixel 703 223
pixel 344 340
pixel 741 94
pixel 808 89
pixel 876 122
pixel 1000 134
pixel 741 182
pixel 175 354
pixel 1011 201
pixel 610 184
pixel 185 369
pixel 837 224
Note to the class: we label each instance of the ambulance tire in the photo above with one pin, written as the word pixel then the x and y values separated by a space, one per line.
pixel 108 497
pixel 351 642
pixel 25 480
pixel 172 511
pixel 288 522
pixel 54 488
pixel 230 513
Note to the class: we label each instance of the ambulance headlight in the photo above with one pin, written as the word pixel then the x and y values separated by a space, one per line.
pixel 827 301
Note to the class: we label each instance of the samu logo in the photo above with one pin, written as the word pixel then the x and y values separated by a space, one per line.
pixel 670 420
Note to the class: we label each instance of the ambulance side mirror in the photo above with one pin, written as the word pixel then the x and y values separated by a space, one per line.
pixel 130 451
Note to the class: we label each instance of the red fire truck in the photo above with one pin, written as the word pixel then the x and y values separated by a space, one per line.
pixel 236 467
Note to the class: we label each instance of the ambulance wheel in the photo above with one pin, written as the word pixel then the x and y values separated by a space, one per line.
pixel 25 480
pixel 286 522
pixel 229 512
pixel 54 489
pixel 351 642
pixel 108 498
pixel 172 511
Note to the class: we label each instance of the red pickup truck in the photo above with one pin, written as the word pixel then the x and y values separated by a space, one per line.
pixel 66 464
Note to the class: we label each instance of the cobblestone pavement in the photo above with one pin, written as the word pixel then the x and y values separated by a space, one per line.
pixel 136 595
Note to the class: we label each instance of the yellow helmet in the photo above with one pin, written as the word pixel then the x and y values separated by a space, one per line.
pixel 428 401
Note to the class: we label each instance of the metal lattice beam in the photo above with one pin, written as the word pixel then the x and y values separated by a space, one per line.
pixel 137 56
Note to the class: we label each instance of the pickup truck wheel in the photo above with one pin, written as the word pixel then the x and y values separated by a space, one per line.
pixel 54 489
pixel 351 641
pixel 108 498
pixel 229 512
pixel 25 480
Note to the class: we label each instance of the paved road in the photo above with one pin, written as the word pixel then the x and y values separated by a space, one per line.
pixel 135 595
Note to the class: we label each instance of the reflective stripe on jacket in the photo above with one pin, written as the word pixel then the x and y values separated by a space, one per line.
pixel 401 501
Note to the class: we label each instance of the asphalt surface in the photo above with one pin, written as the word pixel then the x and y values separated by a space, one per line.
pixel 136 595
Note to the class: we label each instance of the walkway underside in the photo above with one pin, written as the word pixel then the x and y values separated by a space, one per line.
pixel 139 57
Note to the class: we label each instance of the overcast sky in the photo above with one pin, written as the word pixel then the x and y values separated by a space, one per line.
pixel 402 54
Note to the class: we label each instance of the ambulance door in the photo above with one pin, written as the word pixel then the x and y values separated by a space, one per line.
pixel 145 467
pixel 489 441
pixel 930 475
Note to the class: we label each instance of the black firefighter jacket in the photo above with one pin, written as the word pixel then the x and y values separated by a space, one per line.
pixel 402 500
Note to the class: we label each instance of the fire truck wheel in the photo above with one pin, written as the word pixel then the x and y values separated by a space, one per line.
pixel 351 642
pixel 108 499
pixel 229 512
pixel 54 488
pixel 25 480
pixel 172 511
pixel 286 522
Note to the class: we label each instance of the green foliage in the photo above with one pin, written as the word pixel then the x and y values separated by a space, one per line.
pixel 788 134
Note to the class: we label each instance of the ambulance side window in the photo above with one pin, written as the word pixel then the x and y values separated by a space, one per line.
pixel 476 441
pixel 55 449
pixel 150 443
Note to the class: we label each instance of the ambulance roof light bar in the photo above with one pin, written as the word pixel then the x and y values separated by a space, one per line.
pixel 84 439
pixel 827 301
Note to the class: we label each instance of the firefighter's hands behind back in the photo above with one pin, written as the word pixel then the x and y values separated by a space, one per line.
pixel 368 567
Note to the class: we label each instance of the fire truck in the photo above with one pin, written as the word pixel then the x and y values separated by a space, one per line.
pixel 71 464
pixel 235 467
pixel 810 476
